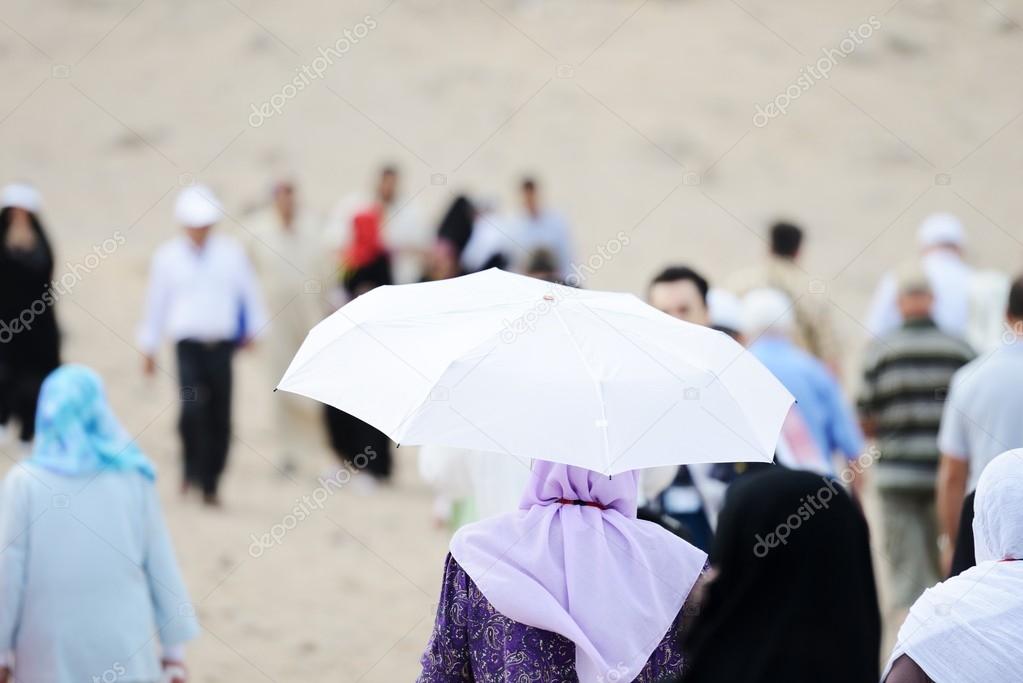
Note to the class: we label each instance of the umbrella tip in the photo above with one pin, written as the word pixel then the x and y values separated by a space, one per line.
pixel 275 390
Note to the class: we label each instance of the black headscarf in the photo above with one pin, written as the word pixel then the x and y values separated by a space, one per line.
pixel 802 609
pixel 456 227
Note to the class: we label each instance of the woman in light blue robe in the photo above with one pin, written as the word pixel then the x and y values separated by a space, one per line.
pixel 89 586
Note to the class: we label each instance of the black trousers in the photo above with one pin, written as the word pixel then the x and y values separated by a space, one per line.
pixel 204 372
pixel 361 445
pixel 19 393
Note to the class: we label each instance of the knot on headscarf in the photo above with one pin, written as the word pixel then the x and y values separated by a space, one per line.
pixel 552 484
pixel 77 432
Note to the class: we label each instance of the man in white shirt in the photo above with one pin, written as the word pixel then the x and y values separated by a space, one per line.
pixel 941 238
pixel 203 295
pixel 981 418
pixel 539 228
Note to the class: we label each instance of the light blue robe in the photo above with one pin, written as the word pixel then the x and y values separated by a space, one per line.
pixel 89 586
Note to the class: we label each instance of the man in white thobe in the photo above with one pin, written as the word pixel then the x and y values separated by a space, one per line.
pixel 292 265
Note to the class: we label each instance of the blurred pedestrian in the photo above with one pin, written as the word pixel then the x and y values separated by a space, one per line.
pixel 569 587
pixel 288 257
pixel 905 379
pixel 402 232
pixel 941 239
pixel 969 629
pixel 821 409
pixel 813 329
pixel 792 596
pixel 29 338
pixel 491 244
pixel 538 227
pixel 203 295
pixel 88 579
pixel 365 265
pixel 981 418
pixel 456 226
pixel 681 292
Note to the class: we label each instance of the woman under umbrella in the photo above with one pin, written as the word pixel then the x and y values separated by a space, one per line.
pixel 569 587
pixel 88 579
pixel 29 340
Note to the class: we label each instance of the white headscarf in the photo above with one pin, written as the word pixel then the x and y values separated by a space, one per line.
pixel 21 196
pixel 969 629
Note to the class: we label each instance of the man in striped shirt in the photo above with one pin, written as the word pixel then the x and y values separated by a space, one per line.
pixel 905 380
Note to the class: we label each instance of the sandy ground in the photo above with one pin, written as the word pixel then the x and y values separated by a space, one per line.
pixel 639 117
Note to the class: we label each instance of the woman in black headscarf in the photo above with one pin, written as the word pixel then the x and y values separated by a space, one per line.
pixel 29 340
pixel 793 598
pixel 456 226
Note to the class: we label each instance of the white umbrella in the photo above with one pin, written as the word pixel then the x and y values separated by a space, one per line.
pixel 501 362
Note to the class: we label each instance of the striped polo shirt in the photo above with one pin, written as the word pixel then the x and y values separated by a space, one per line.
pixel 905 382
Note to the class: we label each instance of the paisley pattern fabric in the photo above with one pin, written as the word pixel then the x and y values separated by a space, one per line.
pixel 472 641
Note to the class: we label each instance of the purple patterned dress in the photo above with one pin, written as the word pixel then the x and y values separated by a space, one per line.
pixel 472 641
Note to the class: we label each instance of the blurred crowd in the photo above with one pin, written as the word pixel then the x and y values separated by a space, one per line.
pixel 933 405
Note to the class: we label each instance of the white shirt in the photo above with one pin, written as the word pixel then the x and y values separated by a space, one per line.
pixel 981 418
pixel 950 279
pixel 201 293
pixel 88 578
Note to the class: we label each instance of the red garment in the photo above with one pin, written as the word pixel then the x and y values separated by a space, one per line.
pixel 366 244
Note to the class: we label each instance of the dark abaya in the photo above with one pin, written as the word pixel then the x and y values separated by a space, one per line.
pixel 456 226
pixel 29 339
pixel 361 445
pixel 801 611
pixel 964 555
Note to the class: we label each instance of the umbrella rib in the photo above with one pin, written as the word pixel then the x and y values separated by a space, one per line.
pixel 596 384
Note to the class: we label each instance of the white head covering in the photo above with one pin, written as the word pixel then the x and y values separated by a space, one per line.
pixel 21 196
pixel 767 310
pixel 969 629
pixel 197 207
pixel 724 308
pixel 941 229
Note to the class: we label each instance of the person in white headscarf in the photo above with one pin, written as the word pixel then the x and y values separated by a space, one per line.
pixel 942 239
pixel 969 629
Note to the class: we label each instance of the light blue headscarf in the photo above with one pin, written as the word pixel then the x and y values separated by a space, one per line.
pixel 77 432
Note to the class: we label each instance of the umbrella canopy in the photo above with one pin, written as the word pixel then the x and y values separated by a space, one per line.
pixel 500 362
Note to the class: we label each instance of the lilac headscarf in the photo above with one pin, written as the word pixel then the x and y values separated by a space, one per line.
pixel 610 583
